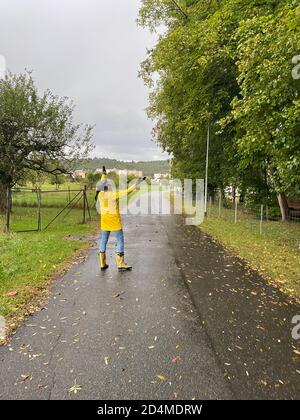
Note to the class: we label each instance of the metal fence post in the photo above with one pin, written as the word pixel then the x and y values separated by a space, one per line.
pixel 39 198
pixel 84 205
pixel 236 212
pixel 261 218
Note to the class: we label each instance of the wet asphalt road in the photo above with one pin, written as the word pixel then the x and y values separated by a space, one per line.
pixel 190 321
pixel 146 343
pixel 247 320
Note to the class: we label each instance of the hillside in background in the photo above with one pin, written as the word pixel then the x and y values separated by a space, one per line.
pixel 148 167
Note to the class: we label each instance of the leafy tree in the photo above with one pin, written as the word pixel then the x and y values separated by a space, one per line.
pixel 92 179
pixel 208 60
pixel 267 111
pixel 37 132
pixel 36 178
pixel 57 180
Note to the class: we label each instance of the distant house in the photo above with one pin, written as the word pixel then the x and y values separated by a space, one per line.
pixel 135 173
pixel 79 173
pixel 159 177
pixel 123 172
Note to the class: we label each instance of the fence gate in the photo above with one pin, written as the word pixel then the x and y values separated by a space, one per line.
pixel 67 200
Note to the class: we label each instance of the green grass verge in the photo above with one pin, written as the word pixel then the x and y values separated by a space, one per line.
pixel 28 260
pixel 275 253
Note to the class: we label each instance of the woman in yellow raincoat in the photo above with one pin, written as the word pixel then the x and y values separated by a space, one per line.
pixel 111 220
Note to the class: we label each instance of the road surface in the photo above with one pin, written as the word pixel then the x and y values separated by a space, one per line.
pixel 189 322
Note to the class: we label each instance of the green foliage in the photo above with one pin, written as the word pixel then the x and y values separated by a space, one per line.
pixel 37 133
pixel 267 111
pixel 92 179
pixel 57 180
pixel 227 64
pixel 36 179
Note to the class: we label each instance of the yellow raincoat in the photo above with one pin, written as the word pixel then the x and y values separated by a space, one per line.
pixel 110 208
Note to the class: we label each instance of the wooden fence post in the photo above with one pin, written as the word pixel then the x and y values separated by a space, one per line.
pixel 236 212
pixel 84 205
pixel 8 208
pixel 261 218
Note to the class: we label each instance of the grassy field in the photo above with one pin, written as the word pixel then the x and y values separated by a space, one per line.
pixel 50 196
pixel 275 252
pixel 28 260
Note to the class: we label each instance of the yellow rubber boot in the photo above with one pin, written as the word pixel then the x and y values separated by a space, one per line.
pixel 122 266
pixel 102 259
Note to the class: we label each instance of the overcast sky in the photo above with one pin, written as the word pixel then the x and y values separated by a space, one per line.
pixel 90 51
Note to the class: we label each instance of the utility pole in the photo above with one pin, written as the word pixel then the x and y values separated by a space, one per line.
pixel 206 172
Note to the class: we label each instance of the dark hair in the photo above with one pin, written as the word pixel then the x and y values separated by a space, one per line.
pixel 106 188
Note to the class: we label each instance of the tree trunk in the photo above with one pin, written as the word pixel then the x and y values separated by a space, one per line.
pixel 8 208
pixel 283 204
pixel 2 198
pixel 5 205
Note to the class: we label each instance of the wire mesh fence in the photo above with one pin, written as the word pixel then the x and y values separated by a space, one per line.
pixel 36 209
pixel 252 213
pixel 263 220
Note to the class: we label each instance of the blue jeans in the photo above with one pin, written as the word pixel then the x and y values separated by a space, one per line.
pixel 104 239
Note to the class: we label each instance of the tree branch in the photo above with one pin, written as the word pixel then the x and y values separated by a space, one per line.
pixel 179 9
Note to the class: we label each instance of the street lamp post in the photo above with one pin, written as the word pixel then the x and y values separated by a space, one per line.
pixel 206 172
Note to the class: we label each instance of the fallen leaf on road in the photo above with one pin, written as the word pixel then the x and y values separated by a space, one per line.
pixel 264 383
pixel 176 359
pixel 75 388
pixel 25 377
pixel 118 295
pixel 106 360
pixel 296 352
pixel 161 377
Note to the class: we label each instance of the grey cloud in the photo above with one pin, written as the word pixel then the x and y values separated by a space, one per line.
pixel 89 50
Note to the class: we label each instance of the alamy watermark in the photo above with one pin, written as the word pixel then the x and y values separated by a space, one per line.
pixel 164 198
pixel 2 328
pixel 296 69
pixel 296 329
